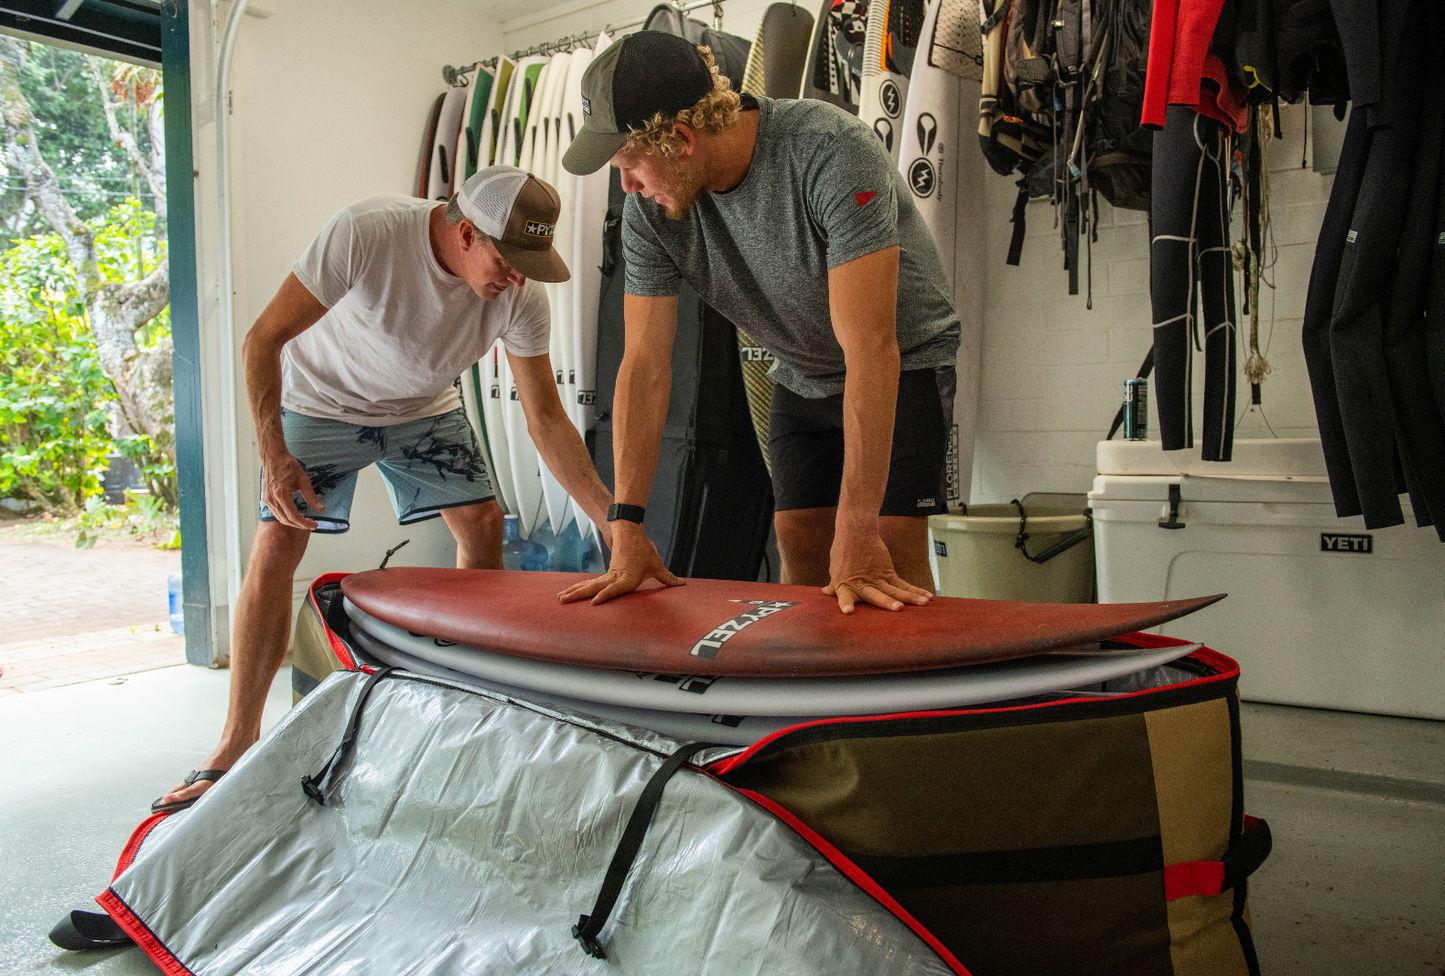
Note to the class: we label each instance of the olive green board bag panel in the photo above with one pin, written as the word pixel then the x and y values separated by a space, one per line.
pixel 1098 835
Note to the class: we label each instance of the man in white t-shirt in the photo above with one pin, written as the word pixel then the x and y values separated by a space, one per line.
pixel 354 362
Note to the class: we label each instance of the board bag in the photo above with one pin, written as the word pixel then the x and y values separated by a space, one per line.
pixel 1092 833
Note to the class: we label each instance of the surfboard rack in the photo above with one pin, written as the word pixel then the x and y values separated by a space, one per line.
pixel 457 76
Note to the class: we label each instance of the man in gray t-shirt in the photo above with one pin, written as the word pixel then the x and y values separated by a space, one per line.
pixel 790 219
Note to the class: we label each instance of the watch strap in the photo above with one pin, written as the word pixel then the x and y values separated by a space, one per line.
pixel 628 513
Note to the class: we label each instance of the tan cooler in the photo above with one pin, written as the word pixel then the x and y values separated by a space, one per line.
pixel 975 555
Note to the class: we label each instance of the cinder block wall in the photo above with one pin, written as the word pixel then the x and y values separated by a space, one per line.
pixel 1053 370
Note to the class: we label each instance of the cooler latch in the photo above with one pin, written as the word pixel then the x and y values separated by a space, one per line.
pixel 1172 522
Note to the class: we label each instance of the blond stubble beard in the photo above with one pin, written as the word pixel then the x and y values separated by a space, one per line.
pixel 683 185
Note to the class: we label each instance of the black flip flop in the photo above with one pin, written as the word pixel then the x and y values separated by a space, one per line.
pixel 89 930
pixel 195 776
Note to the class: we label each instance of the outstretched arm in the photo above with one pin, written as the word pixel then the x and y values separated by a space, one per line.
pixel 286 316
pixel 863 299
pixel 639 412
pixel 557 439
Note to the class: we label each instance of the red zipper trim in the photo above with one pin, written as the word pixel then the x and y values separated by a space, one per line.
pixel 338 646
pixel 143 936
pixel 137 836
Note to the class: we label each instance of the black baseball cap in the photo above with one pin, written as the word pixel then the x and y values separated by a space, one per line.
pixel 626 85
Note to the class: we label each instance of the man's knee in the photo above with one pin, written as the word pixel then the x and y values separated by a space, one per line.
pixel 277 548
pixel 474 524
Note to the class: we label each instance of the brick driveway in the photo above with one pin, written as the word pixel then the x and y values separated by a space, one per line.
pixel 70 615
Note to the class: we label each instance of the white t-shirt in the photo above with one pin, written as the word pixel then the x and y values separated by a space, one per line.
pixel 399 328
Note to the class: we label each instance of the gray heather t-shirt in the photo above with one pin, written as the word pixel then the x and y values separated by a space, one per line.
pixel 821 192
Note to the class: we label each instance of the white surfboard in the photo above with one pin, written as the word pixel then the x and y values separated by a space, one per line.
pixel 885 91
pixel 587 281
pixel 933 133
pixel 873 694
pixel 930 148
pixel 471 149
pixel 519 96
pixel 444 151
pixel 544 160
pixel 535 113
pixel 526 471
pixel 496 427
pixel 564 296
pixel 496 104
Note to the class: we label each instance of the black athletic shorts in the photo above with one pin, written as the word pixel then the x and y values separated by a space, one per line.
pixel 805 445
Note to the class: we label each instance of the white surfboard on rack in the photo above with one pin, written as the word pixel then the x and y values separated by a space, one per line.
pixel 564 295
pixel 496 104
pixel 444 151
pixel 519 91
pixel 586 257
pixel 494 423
pixel 885 91
pixel 548 168
pixel 472 398
pixel 535 111
pixel 931 163
pixel 526 476
pixel 930 149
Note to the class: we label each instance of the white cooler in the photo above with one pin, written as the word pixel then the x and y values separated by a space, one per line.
pixel 1321 612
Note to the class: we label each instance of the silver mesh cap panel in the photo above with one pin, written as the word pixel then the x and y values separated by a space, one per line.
pixel 488 201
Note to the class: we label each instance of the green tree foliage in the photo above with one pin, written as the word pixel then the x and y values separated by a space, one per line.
pixel 75 141
pixel 55 398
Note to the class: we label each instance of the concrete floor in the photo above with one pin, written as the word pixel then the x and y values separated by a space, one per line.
pixel 1356 883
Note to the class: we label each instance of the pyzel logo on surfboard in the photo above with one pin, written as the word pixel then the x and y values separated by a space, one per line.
pixel 891 99
pixel 884 128
pixel 709 646
pixel 538 229
pixel 927 132
pixel 921 178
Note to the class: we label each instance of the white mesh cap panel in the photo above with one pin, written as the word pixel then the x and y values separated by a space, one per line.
pixel 488 197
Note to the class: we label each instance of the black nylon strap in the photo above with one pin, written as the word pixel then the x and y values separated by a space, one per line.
pixel 320 786
pixel 588 926
pixel 1019 220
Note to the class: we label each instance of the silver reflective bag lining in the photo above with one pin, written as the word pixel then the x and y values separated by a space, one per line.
pixel 466 833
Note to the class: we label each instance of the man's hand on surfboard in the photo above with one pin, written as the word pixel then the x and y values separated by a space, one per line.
pixel 634 562
pixel 861 571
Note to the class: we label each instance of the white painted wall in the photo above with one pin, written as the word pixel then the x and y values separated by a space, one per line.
pixel 1053 371
pixel 329 98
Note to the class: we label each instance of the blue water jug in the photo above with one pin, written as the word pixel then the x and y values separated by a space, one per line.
pixel 519 553
pixel 173 592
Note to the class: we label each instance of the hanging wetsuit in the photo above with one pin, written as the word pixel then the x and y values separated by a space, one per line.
pixel 1189 257
pixel 1189 93
pixel 1419 427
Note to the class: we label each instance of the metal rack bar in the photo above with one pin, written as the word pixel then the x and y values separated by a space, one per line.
pixel 455 76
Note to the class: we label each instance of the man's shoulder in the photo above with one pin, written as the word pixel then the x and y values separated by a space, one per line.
pixel 385 209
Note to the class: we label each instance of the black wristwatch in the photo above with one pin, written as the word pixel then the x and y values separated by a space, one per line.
pixel 628 513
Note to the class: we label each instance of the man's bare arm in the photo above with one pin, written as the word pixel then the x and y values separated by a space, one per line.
pixel 557 440
pixel 639 412
pixel 291 312
pixel 862 299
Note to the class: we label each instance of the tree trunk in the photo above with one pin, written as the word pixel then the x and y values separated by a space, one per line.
pixel 115 310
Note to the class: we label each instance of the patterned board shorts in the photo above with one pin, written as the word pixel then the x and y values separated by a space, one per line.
pixel 428 465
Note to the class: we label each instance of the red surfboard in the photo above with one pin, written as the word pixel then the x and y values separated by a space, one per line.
pixel 722 627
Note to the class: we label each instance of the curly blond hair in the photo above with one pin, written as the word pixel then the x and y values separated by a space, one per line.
pixel 714 113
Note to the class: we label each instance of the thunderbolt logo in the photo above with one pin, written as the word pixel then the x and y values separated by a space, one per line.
pixel 892 100
pixel 921 178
